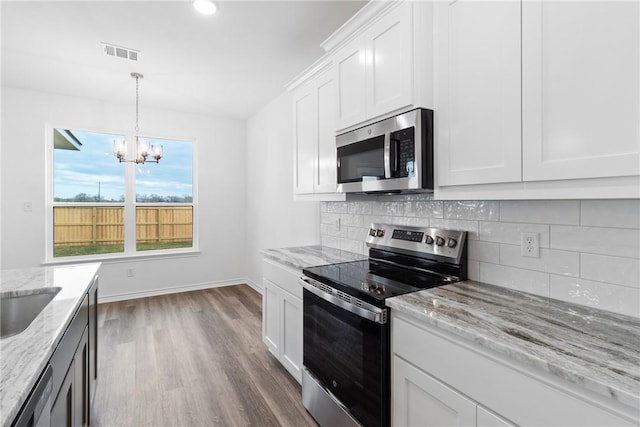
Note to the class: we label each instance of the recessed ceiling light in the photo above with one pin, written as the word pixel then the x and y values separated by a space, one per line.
pixel 206 7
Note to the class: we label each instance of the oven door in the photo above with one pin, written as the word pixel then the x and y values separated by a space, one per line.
pixel 348 355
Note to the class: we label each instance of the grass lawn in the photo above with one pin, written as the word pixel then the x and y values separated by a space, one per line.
pixel 66 251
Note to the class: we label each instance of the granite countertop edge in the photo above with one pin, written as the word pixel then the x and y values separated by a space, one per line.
pixel 300 257
pixel 423 306
pixel 24 356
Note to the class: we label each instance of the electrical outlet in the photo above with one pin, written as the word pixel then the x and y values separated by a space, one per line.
pixel 27 206
pixel 129 272
pixel 530 245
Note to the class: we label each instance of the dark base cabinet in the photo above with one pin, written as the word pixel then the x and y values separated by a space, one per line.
pixel 74 364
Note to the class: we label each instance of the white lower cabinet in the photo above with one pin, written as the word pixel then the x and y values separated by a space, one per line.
pixel 440 379
pixel 421 400
pixel 282 316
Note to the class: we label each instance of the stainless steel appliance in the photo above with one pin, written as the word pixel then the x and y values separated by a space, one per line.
pixel 394 155
pixel 346 354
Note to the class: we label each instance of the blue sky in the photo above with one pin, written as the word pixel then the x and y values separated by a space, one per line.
pixel 82 171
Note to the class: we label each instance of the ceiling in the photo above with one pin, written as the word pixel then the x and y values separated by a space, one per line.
pixel 230 64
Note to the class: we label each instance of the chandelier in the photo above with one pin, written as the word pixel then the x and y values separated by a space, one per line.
pixel 145 152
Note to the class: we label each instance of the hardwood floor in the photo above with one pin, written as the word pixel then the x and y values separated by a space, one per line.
pixel 191 359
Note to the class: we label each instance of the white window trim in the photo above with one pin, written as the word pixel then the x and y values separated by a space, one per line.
pixel 129 205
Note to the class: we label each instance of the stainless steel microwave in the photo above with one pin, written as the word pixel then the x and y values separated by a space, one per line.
pixel 394 155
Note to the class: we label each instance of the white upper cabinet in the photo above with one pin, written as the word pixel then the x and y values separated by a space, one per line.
pixel 581 89
pixel 541 98
pixel 389 65
pixel 314 137
pixel 477 97
pixel 378 57
pixel 303 140
pixel 350 77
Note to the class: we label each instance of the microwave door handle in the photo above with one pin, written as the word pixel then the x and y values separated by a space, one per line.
pixel 387 155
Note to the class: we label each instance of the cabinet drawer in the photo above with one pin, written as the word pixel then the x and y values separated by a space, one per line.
pixel 522 394
pixel 286 278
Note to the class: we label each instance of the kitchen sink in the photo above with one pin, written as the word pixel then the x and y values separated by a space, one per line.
pixel 17 312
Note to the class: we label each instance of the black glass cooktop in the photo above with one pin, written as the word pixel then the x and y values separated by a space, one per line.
pixel 372 282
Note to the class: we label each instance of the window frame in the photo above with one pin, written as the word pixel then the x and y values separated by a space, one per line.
pixel 130 204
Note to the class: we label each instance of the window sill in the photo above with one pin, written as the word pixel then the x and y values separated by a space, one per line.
pixel 123 257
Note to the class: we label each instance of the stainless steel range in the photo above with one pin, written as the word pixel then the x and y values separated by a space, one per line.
pixel 346 354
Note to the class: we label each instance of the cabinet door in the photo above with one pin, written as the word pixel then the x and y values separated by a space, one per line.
pixel 326 169
pixel 389 62
pixel 421 400
pixel 581 89
pixel 304 140
pixel 350 84
pixel 486 418
pixel 62 410
pixel 477 91
pixel 81 382
pixel 292 335
pixel 271 309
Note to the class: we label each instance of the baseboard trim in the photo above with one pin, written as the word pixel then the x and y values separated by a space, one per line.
pixel 256 286
pixel 177 289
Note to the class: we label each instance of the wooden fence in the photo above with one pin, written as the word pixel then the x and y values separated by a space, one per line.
pixel 93 225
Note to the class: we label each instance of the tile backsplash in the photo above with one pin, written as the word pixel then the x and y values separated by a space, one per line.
pixel 589 249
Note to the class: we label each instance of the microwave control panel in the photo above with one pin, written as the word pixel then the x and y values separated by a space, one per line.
pixel 403 150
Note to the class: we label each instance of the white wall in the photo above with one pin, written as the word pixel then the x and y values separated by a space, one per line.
pixel 220 150
pixel 274 220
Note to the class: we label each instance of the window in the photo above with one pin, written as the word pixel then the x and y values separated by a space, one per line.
pixel 102 206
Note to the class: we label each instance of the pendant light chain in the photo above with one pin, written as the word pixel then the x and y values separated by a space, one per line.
pixel 137 102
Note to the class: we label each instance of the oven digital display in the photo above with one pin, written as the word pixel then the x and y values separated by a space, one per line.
pixel 410 236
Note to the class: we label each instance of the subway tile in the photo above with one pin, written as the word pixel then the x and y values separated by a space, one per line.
pixel 610 269
pixel 329 241
pixel 353 246
pixel 597 240
pixel 472 209
pixel 473 270
pixel 357 233
pixel 412 222
pixel 336 207
pixel 509 232
pixel 484 251
pixel 533 282
pixel 610 213
pixel 605 296
pixel 471 227
pixel 550 260
pixel 367 220
pixel 329 218
pixel 541 211
pixel 324 229
pixel 323 207
pixel 424 208
pixel 389 208
pixel 360 208
pixel 351 220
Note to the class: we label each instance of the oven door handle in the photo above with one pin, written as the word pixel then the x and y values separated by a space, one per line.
pixel 363 309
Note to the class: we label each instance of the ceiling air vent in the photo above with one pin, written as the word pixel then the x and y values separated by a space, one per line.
pixel 120 52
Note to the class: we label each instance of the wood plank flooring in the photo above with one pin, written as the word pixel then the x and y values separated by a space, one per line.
pixel 191 359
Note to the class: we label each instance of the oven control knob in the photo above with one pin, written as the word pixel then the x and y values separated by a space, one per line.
pixel 380 233
pixel 439 241
pixel 372 232
pixel 452 243
pixel 429 240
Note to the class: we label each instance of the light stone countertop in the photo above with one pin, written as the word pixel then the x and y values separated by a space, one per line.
pixel 24 356
pixel 311 256
pixel 595 349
